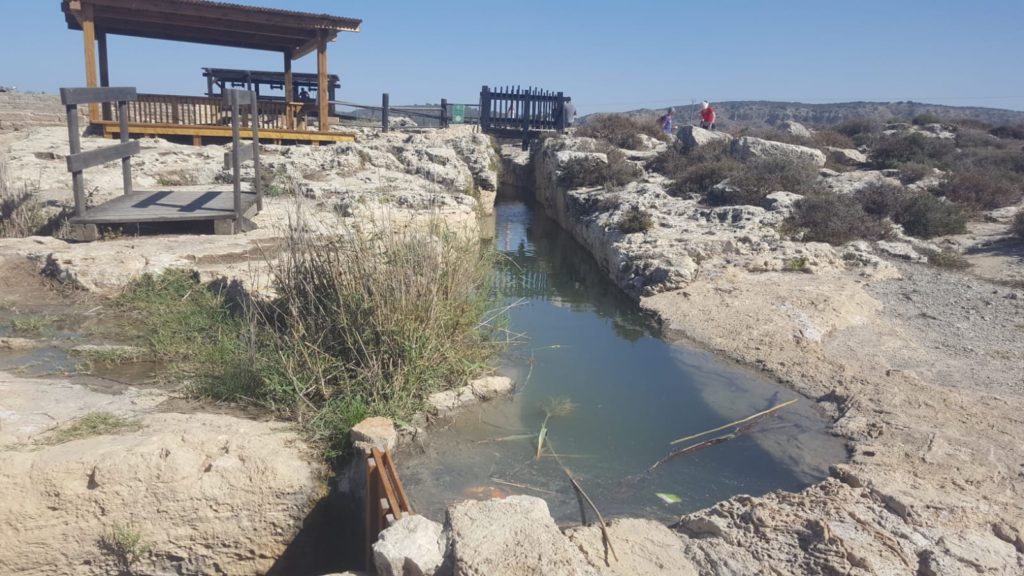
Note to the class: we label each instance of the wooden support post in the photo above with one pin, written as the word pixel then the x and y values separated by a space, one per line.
pixel 485 108
pixel 258 179
pixel 560 120
pixel 321 94
pixel 289 92
pixel 526 119
pixel 385 121
pixel 77 178
pixel 126 163
pixel 236 161
pixel 444 112
pixel 91 80
pixel 101 38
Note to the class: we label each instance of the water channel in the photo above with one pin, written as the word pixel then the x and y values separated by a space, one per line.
pixel 631 394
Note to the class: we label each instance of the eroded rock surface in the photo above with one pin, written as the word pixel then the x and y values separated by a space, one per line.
pixel 511 537
pixel 204 493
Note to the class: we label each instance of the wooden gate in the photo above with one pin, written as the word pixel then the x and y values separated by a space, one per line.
pixel 513 112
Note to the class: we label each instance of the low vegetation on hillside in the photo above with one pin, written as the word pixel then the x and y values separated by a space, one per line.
pixel 620 131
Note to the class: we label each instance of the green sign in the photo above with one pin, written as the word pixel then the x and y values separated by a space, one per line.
pixel 458 113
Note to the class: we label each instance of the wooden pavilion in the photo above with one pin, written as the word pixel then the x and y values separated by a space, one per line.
pixel 293 34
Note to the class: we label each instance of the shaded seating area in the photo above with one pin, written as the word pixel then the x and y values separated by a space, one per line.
pixel 292 34
pixel 229 212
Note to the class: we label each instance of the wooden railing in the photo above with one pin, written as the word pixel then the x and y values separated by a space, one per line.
pixel 205 111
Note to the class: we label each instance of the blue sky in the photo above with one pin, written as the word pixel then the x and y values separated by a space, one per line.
pixel 608 55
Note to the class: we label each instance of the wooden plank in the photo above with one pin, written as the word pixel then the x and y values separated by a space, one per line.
pixel 166 206
pixel 95 95
pixel 83 160
pixel 403 500
pixel 389 492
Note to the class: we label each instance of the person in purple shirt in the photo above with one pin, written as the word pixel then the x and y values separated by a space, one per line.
pixel 666 121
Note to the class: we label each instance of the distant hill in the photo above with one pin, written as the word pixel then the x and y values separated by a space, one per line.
pixel 761 113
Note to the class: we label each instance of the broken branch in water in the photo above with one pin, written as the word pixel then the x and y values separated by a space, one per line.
pixel 582 496
pixel 771 410
pixel 699 446
pixel 523 486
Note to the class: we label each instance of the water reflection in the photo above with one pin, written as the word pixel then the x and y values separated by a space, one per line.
pixel 632 394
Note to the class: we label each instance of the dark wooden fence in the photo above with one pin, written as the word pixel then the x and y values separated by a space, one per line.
pixel 513 110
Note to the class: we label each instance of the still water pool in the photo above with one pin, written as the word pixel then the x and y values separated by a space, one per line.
pixel 631 393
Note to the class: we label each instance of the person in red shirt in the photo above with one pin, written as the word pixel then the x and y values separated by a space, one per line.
pixel 707 116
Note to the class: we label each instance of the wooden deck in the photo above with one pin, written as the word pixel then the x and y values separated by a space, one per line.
pixel 166 206
pixel 198 132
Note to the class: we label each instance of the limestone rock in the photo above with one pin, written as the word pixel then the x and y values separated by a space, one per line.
pixel 782 201
pixel 900 250
pixel 749 147
pixel 376 432
pixel 794 128
pixel 691 137
pixel 491 386
pixel 206 493
pixel 847 156
pixel 510 537
pixel 642 547
pixel 412 546
pixel 19 343
pixel 852 182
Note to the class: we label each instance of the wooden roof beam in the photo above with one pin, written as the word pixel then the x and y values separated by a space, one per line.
pixel 225 39
pixel 107 17
pixel 237 13
pixel 312 44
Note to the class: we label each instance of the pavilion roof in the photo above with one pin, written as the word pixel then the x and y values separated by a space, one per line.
pixel 214 23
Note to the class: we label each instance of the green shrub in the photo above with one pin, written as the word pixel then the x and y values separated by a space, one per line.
pixel 913 172
pixel 634 219
pixel 863 131
pixel 620 131
pixel 1008 132
pixel 925 216
pixel 881 199
pixel 701 178
pixel 893 150
pixel 759 177
pixel 947 259
pixel 1017 227
pixel 590 172
pixel 674 163
pixel 833 138
pixel 979 190
pixel 926 118
pixel 833 218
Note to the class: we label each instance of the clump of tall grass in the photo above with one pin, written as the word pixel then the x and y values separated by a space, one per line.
pixel 362 324
pixel 375 322
pixel 21 214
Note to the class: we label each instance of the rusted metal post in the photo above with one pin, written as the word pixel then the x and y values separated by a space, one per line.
pixel 384 120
